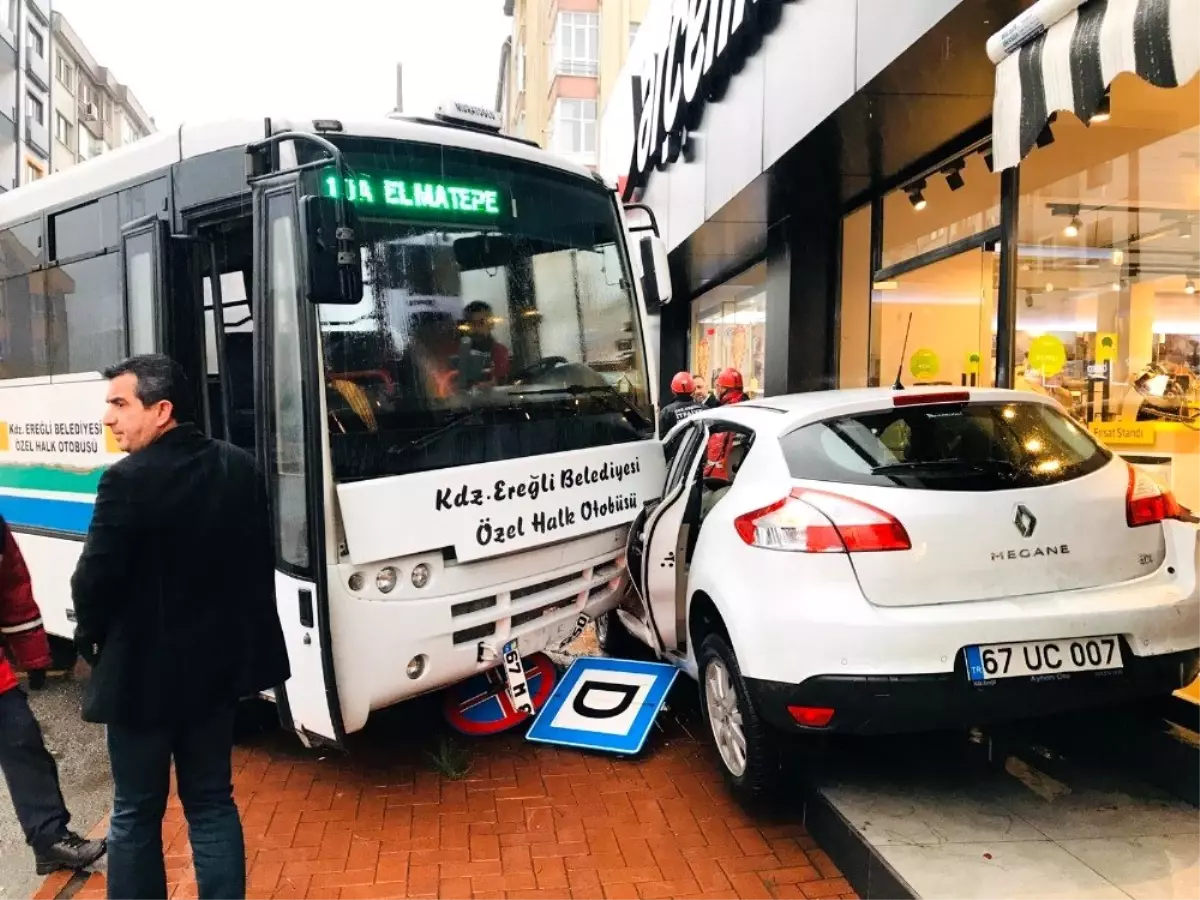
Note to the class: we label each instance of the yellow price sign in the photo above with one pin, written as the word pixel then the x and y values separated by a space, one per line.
pixel 924 364
pixel 1047 354
pixel 1140 434
pixel 1106 346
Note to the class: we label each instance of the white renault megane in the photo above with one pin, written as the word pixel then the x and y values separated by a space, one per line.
pixel 879 561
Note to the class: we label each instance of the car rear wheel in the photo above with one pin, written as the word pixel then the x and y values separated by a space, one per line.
pixel 748 748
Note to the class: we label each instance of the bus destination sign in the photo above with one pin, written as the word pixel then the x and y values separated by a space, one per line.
pixel 419 198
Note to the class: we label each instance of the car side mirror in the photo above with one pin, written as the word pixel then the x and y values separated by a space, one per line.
pixel 656 272
pixel 330 249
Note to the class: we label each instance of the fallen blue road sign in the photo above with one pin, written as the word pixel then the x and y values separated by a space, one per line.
pixel 604 704
pixel 481 705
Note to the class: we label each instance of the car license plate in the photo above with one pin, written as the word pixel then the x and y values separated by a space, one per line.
pixel 514 678
pixel 1032 659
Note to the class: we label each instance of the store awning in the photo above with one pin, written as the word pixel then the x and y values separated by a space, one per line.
pixel 1063 55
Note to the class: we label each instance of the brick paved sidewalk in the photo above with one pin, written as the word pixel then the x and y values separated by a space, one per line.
pixel 525 821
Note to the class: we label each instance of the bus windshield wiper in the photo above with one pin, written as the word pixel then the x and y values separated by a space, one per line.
pixel 989 466
pixel 596 390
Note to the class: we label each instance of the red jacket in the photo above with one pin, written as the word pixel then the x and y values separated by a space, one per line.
pixel 717 452
pixel 21 633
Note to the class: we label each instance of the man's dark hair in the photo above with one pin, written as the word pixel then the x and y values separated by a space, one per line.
pixel 158 378
pixel 477 306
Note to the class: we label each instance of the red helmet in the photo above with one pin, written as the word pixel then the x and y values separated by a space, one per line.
pixel 682 383
pixel 730 378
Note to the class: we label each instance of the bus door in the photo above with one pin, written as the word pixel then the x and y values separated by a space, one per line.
pixel 291 429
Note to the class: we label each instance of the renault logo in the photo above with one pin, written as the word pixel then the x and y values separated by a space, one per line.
pixel 1025 521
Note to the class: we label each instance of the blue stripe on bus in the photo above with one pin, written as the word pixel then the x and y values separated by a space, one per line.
pixel 70 516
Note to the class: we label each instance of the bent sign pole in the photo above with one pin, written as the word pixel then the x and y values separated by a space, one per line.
pixel 707 42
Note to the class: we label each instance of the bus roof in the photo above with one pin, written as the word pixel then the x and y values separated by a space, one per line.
pixel 162 149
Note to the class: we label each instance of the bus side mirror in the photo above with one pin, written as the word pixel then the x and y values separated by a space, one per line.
pixel 656 272
pixel 333 267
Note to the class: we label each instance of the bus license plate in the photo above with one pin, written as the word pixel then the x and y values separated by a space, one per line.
pixel 1032 659
pixel 514 678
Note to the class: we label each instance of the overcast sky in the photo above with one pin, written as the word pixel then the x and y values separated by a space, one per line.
pixel 216 59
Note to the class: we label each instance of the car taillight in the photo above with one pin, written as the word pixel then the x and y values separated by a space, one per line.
pixel 1146 502
pixel 808 521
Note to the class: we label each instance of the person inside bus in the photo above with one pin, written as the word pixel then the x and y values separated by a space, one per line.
pixel 29 769
pixel 684 406
pixel 174 598
pixel 480 321
pixel 428 368
pixel 729 391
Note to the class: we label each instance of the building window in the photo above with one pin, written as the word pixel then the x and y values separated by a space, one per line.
pixel 633 30
pixel 35 109
pixel 64 131
pixel 33 171
pixel 8 14
pixel 35 42
pixel 520 68
pixel 90 146
pixel 65 72
pixel 577 44
pixel 574 126
pixel 129 132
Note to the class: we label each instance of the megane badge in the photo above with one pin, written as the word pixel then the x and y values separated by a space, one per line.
pixel 1025 521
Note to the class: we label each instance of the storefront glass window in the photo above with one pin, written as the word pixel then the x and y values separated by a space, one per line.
pixel 1108 308
pixel 854 321
pixel 961 200
pixel 935 325
pixel 729 329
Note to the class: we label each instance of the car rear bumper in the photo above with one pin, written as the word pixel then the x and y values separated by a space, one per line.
pixel 882 704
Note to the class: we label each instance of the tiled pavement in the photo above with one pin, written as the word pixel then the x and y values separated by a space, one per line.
pixel 524 821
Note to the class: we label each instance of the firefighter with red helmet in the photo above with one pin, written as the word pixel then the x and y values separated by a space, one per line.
pixel 728 390
pixel 29 769
pixel 684 406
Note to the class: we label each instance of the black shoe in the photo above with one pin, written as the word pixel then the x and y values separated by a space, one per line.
pixel 69 852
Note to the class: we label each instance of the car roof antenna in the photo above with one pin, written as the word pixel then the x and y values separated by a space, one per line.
pixel 899 386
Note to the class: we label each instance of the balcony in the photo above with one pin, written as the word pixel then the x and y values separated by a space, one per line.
pixel 38 68
pixel 37 136
pixel 578 68
pixel 8 126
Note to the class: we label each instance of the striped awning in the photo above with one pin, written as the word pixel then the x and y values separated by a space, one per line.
pixel 1061 55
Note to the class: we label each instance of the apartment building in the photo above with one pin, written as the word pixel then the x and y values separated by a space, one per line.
pixel 559 68
pixel 92 111
pixel 24 91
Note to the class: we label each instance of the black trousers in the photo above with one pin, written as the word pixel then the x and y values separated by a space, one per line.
pixel 31 773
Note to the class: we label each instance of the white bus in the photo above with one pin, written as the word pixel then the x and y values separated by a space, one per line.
pixel 398 319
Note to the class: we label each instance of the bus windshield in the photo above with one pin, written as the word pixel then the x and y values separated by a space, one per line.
pixel 498 317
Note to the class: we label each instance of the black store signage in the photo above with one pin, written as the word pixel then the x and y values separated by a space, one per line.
pixel 707 43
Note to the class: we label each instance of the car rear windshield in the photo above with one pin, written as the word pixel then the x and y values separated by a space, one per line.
pixel 946 447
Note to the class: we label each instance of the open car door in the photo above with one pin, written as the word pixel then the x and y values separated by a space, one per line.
pixel 658 538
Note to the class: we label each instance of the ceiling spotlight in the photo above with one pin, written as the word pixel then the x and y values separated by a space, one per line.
pixel 1049 286
pixel 1072 229
pixel 1116 285
pixel 1118 257
pixel 953 173
pixel 1103 112
pixel 1190 287
pixel 916 195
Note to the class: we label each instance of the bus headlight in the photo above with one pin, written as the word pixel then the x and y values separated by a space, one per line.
pixel 385 581
pixel 355 581
pixel 420 575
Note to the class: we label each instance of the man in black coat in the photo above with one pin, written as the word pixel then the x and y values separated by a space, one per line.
pixel 175 610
